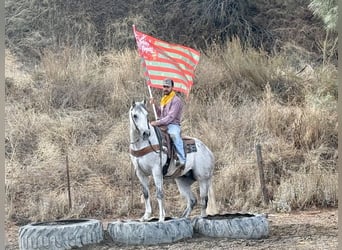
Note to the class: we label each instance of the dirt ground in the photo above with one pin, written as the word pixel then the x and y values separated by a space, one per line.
pixel 298 230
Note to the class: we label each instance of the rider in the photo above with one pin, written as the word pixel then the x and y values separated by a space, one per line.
pixel 169 112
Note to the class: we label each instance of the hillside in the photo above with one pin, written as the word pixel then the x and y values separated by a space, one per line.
pixel 267 75
pixel 33 26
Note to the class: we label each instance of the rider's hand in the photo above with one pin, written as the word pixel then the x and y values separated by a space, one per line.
pixel 153 123
pixel 152 101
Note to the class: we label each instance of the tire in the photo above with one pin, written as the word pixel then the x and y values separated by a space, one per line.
pixel 61 234
pixel 150 232
pixel 235 226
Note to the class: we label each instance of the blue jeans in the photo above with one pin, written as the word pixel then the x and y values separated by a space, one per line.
pixel 175 134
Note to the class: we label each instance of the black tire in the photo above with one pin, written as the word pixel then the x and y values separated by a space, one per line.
pixel 60 234
pixel 235 226
pixel 150 232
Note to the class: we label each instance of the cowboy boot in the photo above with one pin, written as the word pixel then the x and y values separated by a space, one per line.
pixel 175 169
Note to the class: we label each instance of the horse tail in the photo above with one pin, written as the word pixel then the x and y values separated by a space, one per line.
pixel 211 207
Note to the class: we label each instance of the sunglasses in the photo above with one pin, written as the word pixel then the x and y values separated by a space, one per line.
pixel 166 87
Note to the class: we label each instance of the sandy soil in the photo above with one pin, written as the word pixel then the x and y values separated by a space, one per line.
pixel 299 230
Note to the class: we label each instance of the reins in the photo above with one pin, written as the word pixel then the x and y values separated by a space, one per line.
pixel 157 148
pixel 151 148
pixel 145 150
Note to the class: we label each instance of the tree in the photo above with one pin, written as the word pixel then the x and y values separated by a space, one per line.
pixel 327 10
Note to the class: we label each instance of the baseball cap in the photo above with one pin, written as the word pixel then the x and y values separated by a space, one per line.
pixel 168 82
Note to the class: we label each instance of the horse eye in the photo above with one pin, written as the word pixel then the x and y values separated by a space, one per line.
pixel 135 117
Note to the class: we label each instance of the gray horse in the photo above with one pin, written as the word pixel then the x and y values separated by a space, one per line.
pixel 148 158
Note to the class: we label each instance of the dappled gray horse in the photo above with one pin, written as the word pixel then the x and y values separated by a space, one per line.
pixel 149 157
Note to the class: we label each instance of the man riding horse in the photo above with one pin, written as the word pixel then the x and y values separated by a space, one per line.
pixel 169 113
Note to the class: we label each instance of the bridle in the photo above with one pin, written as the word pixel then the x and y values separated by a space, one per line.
pixel 136 126
pixel 156 148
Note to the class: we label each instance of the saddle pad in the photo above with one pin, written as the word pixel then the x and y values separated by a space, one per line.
pixel 189 144
pixel 189 148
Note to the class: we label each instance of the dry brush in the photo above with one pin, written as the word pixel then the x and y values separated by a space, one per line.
pixel 75 104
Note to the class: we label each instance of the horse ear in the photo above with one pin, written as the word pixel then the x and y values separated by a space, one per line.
pixel 133 103
pixel 144 101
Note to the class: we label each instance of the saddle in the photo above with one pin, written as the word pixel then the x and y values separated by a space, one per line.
pixel 166 142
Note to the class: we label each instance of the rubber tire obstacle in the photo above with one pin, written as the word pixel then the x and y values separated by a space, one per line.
pixel 67 234
pixel 235 226
pixel 151 232
pixel 61 234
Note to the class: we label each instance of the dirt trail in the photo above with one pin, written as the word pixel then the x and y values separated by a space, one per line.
pixel 300 230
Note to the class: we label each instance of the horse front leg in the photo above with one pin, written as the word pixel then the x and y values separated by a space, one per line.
pixel 146 193
pixel 158 181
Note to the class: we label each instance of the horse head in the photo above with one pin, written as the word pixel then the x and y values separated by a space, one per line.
pixel 139 119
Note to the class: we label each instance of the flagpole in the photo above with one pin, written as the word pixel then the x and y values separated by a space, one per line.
pixel 153 106
pixel 154 52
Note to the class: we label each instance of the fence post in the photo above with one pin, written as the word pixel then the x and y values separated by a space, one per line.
pixel 261 174
pixel 68 179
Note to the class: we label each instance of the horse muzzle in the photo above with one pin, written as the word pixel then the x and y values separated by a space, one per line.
pixel 146 134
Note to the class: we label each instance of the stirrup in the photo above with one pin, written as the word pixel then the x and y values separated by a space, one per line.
pixel 176 171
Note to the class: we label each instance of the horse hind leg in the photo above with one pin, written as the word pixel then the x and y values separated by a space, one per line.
pixel 184 187
pixel 204 188
pixel 211 207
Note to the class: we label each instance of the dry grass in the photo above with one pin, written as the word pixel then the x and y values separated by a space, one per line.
pixel 33 26
pixel 244 73
pixel 75 104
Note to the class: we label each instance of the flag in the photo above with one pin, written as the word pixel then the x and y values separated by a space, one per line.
pixel 162 60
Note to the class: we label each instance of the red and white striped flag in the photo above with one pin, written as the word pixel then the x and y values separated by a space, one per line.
pixel 165 60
